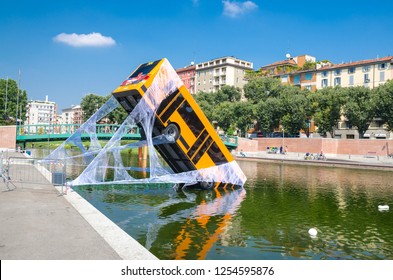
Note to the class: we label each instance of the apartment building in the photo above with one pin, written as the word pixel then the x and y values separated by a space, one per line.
pixel 41 112
pixel 305 72
pixel 216 73
pixel 368 73
pixel 72 115
pixel 187 75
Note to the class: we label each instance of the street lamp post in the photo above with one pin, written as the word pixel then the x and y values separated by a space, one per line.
pixel 283 147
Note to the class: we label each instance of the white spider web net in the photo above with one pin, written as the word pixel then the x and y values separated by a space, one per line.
pixel 100 160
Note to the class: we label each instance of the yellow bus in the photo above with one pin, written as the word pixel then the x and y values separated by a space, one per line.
pixel 197 145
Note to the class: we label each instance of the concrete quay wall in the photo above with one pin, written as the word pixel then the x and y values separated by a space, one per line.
pixel 371 147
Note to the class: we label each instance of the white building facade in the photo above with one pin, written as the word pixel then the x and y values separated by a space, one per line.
pixel 216 73
pixel 368 73
pixel 41 112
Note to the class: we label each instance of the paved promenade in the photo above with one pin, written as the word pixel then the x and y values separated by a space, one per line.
pixel 350 161
pixel 38 223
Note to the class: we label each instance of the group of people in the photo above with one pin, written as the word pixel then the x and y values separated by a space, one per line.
pixel 317 156
pixel 275 150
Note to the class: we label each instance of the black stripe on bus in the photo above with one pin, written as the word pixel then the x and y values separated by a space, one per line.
pixel 216 154
pixel 197 143
pixel 168 111
pixel 166 102
pixel 202 150
pixel 184 142
pixel 191 118
pixel 221 186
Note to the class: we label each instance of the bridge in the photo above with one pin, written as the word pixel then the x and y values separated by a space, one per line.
pixel 58 132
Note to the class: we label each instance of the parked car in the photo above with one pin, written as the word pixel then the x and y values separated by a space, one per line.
pixel 279 134
pixel 256 135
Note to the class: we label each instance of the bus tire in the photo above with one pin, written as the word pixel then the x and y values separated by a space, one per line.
pixel 172 131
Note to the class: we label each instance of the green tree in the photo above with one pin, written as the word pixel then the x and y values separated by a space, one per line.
pixel 118 115
pixel 225 116
pixel 91 103
pixel 327 104
pixel 384 103
pixel 295 110
pixel 206 102
pixel 228 93
pixel 244 113
pixel 359 108
pixel 268 114
pixel 260 88
pixel 12 103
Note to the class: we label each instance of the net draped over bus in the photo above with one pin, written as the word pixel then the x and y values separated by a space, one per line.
pixel 101 160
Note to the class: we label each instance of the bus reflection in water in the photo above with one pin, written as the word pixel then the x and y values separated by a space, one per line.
pixel 201 227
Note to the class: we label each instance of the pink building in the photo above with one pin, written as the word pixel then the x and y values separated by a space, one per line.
pixel 187 75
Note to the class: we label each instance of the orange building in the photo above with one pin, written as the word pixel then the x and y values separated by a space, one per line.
pixel 298 71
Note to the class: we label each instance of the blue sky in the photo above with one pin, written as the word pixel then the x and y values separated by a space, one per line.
pixel 66 49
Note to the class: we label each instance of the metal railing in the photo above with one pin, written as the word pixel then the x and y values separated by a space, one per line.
pixel 54 131
pixel 22 170
pixel 4 173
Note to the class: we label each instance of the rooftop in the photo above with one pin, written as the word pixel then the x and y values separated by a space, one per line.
pixel 357 63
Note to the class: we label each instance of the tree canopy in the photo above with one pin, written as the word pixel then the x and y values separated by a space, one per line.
pixel 359 108
pixel 92 102
pixel 383 99
pixel 273 104
pixel 12 103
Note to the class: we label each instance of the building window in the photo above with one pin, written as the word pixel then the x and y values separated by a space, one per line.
pixel 324 73
pixel 284 78
pixel 366 68
pixel 381 76
pixel 366 78
pixel 324 83
pixel 337 81
pixel 351 70
pixel 296 80
pixel 351 80
pixel 337 72
pixel 308 76
pixel 308 87
pixel 382 66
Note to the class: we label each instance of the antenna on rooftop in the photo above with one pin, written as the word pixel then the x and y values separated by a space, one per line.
pixel 288 56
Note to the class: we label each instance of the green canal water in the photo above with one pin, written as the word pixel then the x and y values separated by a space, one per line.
pixel 268 219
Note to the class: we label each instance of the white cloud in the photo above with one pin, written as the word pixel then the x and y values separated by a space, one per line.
pixel 235 9
pixel 85 40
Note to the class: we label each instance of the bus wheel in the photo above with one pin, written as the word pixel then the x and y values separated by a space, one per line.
pixel 207 185
pixel 172 131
